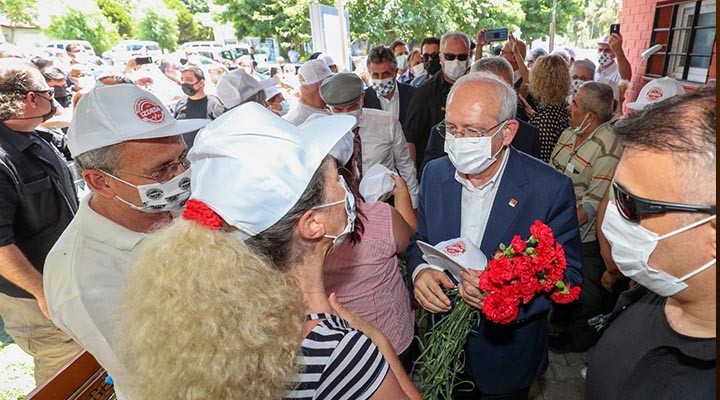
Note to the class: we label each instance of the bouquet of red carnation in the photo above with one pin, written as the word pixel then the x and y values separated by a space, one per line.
pixel 519 272
pixel 516 274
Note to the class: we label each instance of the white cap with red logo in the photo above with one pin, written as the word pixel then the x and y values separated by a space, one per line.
pixel 111 114
pixel 655 91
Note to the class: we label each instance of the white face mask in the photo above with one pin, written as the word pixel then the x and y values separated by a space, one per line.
pixel 632 244
pixel 383 87
pixel 604 59
pixel 578 130
pixel 402 61
pixel 285 107
pixel 418 70
pixel 455 69
pixel 350 210
pixel 355 113
pixel 160 197
pixel 471 155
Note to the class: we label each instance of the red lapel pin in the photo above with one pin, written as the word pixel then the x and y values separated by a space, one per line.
pixel 512 203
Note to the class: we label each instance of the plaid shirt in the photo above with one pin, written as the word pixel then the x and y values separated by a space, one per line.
pixel 590 165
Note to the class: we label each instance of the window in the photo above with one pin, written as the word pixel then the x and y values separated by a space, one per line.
pixel 687 40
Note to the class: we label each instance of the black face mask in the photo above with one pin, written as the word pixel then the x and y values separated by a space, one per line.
pixel 432 67
pixel 188 89
pixel 47 115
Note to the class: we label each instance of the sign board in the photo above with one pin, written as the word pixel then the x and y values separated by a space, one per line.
pixel 326 34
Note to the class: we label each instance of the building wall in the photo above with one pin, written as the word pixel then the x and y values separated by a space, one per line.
pixel 636 24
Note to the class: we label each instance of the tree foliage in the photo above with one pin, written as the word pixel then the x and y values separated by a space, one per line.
pixel 160 29
pixel 19 12
pixel 117 13
pixel 186 25
pixel 594 22
pixel 76 24
pixel 196 6
pixel 538 16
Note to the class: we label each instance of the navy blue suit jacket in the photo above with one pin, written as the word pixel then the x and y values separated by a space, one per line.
pixel 406 93
pixel 504 358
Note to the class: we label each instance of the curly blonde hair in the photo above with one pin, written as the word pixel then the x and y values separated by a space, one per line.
pixel 204 317
pixel 550 80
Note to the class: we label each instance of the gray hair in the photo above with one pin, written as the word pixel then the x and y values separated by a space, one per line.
pixel 598 99
pixel 381 54
pixel 276 242
pixel 504 92
pixel 493 65
pixel 455 35
pixel 106 159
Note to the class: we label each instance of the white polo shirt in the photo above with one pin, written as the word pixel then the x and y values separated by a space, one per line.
pixel 84 277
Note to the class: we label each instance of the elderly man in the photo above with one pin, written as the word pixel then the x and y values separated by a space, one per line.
pixel 238 87
pixel 386 93
pixel 488 192
pixel 310 76
pixel 588 153
pixel 661 341
pixel 37 202
pixel 612 63
pixel 378 135
pixel 584 71
pixel 130 152
pixel 526 139
pixel 427 107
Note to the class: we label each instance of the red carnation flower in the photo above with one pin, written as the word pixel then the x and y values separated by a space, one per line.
pixel 572 294
pixel 518 245
pixel 500 309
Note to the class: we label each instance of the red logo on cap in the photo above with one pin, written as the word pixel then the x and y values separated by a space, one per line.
pixel 149 111
pixel 456 249
pixel 655 94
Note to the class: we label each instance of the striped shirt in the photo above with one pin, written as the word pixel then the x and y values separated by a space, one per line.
pixel 338 362
pixel 590 165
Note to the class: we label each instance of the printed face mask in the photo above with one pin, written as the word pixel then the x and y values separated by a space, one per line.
pixel 632 245
pixel 604 59
pixel 383 87
pixel 160 197
pixel 576 83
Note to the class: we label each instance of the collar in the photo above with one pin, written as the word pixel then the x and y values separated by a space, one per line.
pixel 103 230
pixel 490 184
pixel 20 140
pixel 309 107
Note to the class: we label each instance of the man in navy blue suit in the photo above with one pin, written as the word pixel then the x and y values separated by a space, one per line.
pixel 488 192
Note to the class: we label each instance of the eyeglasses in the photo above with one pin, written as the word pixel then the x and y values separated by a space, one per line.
pixel 50 91
pixel 167 171
pixel 633 208
pixel 428 56
pixel 452 57
pixel 471 134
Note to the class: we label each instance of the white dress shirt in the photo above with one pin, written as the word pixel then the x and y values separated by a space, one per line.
pixel 475 206
pixel 392 105
pixel 83 279
pixel 301 112
pixel 383 142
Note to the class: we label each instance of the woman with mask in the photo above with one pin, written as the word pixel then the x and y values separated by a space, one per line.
pixel 415 64
pixel 222 316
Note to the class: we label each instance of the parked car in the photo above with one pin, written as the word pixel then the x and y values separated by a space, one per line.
pixel 60 44
pixel 128 48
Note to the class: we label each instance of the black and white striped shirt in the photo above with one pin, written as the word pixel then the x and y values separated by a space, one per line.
pixel 338 362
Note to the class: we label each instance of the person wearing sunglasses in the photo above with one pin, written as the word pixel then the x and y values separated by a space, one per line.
pixel 430 59
pixel 588 153
pixel 660 342
pixel 427 107
pixel 131 154
pixel 37 202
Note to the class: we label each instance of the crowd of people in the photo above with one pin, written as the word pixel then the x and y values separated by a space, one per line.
pixel 221 234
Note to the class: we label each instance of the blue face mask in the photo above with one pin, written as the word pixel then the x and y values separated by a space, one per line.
pixel 285 107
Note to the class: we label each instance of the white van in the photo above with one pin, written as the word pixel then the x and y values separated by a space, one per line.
pixel 128 48
pixel 60 44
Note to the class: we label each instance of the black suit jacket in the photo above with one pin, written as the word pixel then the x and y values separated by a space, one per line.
pixel 406 93
pixel 526 140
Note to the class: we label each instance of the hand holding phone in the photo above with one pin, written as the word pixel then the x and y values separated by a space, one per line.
pixel 143 60
pixel 614 28
pixel 495 35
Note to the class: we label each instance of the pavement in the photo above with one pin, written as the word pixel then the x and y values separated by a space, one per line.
pixel 562 380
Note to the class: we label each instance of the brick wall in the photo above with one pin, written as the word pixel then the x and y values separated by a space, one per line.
pixel 636 24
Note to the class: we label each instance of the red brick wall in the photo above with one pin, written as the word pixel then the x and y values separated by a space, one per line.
pixel 636 24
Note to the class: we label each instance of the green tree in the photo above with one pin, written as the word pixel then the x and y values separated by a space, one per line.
pixel 594 22
pixel 205 33
pixel 196 6
pixel 160 29
pixel 18 12
pixel 76 24
pixel 187 27
pixel 538 16
pixel 117 13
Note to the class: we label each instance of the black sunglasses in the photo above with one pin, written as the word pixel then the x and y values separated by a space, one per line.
pixel 428 56
pixel 452 57
pixel 633 208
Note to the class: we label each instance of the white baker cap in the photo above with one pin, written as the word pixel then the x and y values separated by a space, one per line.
pixel 313 71
pixel 251 166
pixel 327 59
pixel 377 182
pixel 111 114
pixel 655 91
pixel 236 86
